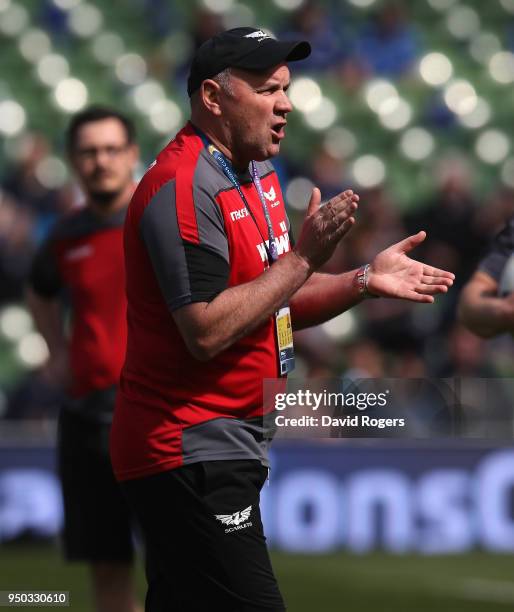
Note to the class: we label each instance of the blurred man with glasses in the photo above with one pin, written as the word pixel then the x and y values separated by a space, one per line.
pixel 79 271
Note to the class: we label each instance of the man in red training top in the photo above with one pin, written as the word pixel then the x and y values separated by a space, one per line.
pixel 84 258
pixel 211 276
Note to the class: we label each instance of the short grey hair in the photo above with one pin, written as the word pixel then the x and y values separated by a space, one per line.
pixel 224 80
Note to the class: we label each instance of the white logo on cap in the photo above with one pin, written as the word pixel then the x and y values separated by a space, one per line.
pixel 258 34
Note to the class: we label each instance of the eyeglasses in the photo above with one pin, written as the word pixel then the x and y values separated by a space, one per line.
pixel 111 151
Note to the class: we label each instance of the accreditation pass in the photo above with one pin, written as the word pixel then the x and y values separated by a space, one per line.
pixel 285 340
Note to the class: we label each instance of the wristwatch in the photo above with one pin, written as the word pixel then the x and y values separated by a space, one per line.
pixel 362 282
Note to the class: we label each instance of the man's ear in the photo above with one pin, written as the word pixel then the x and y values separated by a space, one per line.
pixel 210 96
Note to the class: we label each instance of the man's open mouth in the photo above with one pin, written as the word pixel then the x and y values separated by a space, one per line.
pixel 278 130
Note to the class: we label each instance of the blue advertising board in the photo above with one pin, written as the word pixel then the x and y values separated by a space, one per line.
pixel 430 498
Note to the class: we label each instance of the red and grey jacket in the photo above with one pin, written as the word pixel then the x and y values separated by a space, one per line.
pixel 188 237
pixel 84 257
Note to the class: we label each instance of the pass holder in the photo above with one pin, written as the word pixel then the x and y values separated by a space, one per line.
pixel 285 340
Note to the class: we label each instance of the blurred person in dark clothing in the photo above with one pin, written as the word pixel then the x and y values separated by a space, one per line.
pixel 388 322
pixel 324 31
pixel 466 355
pixel 24 183
pixel 84 257
pixel 388 45
pixel 486 308
pixel 328 170
pixel 453 234
pixel 486 305
pixel 17 247
pixel 455 239
pixel 205 24
pixel 364 359
pixel 27 209
pixel 495 212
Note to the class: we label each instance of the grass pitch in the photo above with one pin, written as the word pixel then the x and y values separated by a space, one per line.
pixel 327 583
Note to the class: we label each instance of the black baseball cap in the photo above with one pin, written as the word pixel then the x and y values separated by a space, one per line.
pixel 246 48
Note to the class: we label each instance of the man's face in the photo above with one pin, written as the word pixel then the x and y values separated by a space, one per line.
pixel 254 111
pixel 103 159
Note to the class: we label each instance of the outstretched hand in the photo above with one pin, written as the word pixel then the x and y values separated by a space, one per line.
pixel 393 274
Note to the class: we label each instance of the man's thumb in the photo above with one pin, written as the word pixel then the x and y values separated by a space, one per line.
pixel 411 242
pixel 314 202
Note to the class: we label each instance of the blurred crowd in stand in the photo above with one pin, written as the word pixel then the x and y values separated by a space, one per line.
pixel 380 338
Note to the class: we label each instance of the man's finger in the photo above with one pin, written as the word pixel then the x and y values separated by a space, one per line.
pixel 409 243
pixel 346 212
pixel 345 228
pixel 431 289
pixel 413 296
pixel 314 202
pixel 437 280
pixel 436 272
pixel 342 196
pixel 341 210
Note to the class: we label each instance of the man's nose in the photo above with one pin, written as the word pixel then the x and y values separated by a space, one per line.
pixel 102 156
pixel 284 104
pixel 102 159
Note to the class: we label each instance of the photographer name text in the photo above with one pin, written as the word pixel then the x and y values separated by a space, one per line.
pixel 356 420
